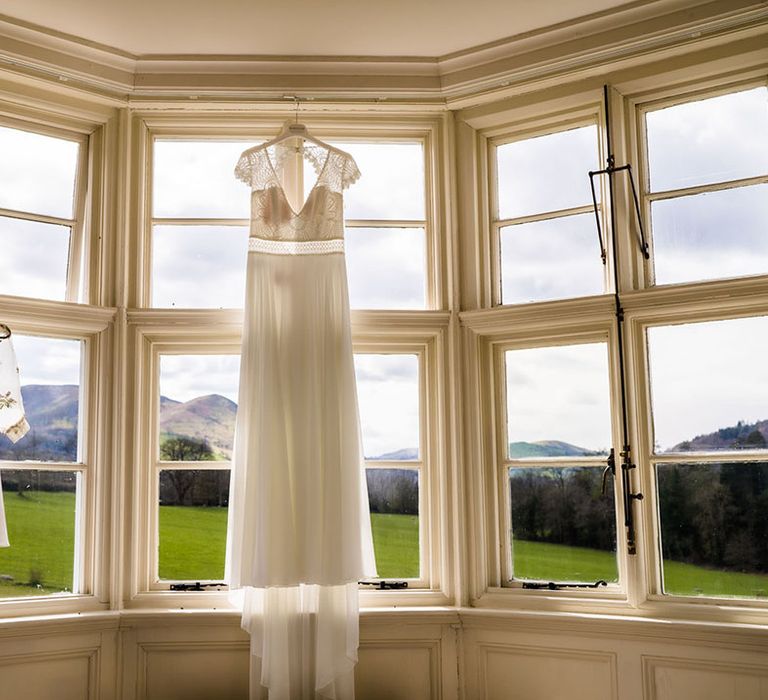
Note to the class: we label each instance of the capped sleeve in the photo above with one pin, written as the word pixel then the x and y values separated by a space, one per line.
pixel 350 173
pixel 245 167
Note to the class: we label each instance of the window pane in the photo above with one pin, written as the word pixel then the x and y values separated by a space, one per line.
pixel 708 385
pixel 713 140
pixel 197 179
pixel 551 259
pixel 711 235
pixel 558 401
pixel 393 496
pixel 386 268
pixel 197 406
pixel 37 173
pixel 714 528
pixel 50 388
pixel 193 524
pixel 563 528
pixel 34 259
pixel 391 184
pixel 546 173
pixel 199 267
pixel 388 392
pixel 40 514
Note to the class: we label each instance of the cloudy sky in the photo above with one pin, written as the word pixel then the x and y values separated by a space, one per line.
pixel 705 376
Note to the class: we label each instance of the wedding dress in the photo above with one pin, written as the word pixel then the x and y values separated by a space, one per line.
pixel 13 423
pixel 299 534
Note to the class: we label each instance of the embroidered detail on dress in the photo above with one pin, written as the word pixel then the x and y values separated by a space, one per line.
pixel 18 431
pixel 262 245
pixel 7 401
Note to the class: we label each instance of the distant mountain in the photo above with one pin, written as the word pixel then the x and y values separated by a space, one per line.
pixel 406 453
pixel 52 414
pixel 548 448
pixel 741 436
pixel 210 418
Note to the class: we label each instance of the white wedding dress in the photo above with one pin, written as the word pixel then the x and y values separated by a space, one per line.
pixel 299 536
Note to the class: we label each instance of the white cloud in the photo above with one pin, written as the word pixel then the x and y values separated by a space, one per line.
pixel 564 395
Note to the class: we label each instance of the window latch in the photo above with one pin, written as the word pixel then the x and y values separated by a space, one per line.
pixel 554 586
pixel 196 586
pixel 385 585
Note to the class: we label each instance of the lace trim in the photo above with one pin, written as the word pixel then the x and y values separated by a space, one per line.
pixel 324 247
pixel 255 169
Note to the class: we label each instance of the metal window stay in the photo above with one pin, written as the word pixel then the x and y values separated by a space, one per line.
pixel 626 452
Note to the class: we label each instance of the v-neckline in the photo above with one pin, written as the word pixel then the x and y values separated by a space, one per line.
pixel 311 192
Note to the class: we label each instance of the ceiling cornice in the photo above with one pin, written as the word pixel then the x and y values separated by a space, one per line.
pixel 631 32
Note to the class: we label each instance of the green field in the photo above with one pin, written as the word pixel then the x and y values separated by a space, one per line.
pixel 554 562
pixel 41 530
pixel 41 527
pixel 193 539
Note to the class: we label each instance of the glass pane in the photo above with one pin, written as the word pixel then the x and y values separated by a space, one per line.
pixel 199 267
pixel 40 514
pixel 393 496
pixel 386 268
pixel 711 235
pixel 713 140
pixel 558 401
pixel 708 385
pixel 193 524
pixel 714 528
pixel 551 259
pixel 198 395
pixel 563 528
pixel 50 388
pixel 37 173
pixel 34 259
pixel 546 173
pixel 391 184
pixel 197 179
pixel 388 392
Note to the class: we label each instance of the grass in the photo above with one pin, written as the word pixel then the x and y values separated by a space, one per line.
pixel 41 530
pixel 41 527
pixel 192 543
pixel 554 562
pixel 193 540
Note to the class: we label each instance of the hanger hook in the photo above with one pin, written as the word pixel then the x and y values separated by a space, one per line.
pixel 5 332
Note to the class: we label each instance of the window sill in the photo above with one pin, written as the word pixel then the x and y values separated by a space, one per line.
pixel 612 605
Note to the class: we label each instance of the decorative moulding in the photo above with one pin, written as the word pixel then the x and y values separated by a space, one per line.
pixel 632 32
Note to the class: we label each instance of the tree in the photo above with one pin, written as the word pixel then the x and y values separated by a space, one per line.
pixel 180 448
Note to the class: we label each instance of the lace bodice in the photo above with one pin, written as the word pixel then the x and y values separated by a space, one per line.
pixel 272 217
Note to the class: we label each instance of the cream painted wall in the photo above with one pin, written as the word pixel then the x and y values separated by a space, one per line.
pixel 419 656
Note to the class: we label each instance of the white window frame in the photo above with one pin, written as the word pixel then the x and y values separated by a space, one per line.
pixel 155 330
pixel 428 132
pixel 75 283
pixel 661 101
pixel 595 336
pixel 492 327
pixel 89 325
pixel 591 114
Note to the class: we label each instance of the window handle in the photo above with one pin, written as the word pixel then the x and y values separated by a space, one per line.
pixel 611 467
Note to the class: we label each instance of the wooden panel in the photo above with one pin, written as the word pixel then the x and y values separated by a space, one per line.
pixel 397 672
pixel 670 679
pixel 64 678
pixel 199 672
pixel 525 673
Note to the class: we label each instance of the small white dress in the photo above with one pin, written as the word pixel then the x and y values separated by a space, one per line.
pixel 13 422
pixel 299 536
